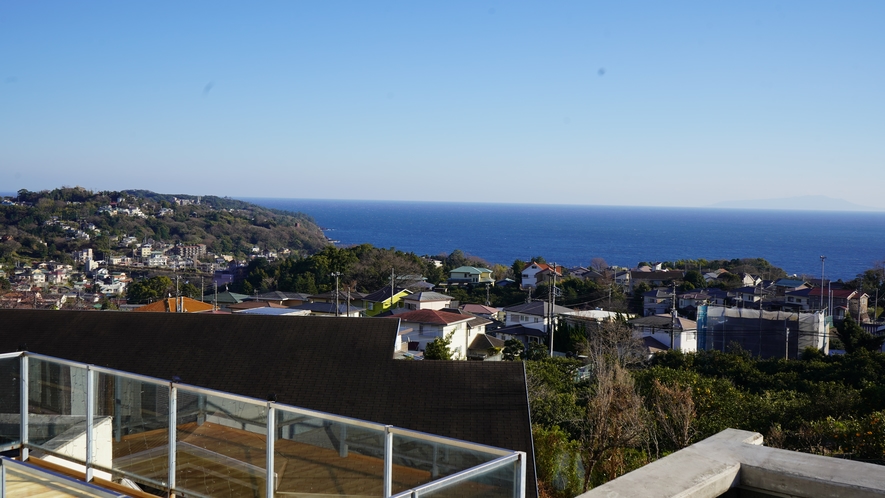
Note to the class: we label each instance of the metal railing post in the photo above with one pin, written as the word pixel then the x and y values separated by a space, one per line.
pixel 388 461
pixel 90 419
pixel 24 406
pixel 519 485
pixel 173 429
pixel 270 485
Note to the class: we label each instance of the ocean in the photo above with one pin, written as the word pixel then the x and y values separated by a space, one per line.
pixel 572 235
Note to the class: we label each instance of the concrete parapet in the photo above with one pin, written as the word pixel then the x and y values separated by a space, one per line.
pixel 736 460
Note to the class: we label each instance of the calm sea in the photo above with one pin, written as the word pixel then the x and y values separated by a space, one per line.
pixel 573 235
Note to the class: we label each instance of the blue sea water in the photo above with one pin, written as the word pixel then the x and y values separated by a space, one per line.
pixel 573 235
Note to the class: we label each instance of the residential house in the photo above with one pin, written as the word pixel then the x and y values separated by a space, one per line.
pixel 798 300
pixel 748 297
pixel 692 299
pixel 750 280
pixel 428 301
pixel 536 273
pixel 486 348
pixel 662 327
pixel 384 299
pixel 329 309
pixel 783 285
pixel 529 322
pixel 421 327
pixel 482 310
pixel 713 276
pixel 353 298
pixel 844 302
pixel 470 275
pixel 176 305
pixel 654 279
pixel 282 298
pixel 657 301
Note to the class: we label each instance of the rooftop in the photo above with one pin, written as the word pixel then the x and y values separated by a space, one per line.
pixel 341 366
pixel 222 445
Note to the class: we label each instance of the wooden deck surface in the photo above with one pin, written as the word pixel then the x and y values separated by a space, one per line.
pixel 214 460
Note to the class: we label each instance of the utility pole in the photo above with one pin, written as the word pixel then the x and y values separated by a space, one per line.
pixel 673 318
pixel 337 309
pixel 822 260
pixel 787 344
pixel 552 304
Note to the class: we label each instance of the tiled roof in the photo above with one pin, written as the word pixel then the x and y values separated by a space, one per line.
pixel 838 293
pixel 433 317
pixel 537 308
pixel 281 296
pixel 520 330
pixel 247 305
pixel 479 309
pixel 428 296
pixel 340 366
pixel 169 305
pixel 545 267
pixel 471 270
pixel 664 321
pixel 382 294
pixel 483 341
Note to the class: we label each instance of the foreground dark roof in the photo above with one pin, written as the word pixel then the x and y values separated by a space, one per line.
pixel 343 366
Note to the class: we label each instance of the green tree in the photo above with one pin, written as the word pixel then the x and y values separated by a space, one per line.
pixel 854 337
pixel 637 302
pixel 513 349
pixel 536 351
pixel 517 267
pixel 438 349
pixel 150 290
pixel 695 278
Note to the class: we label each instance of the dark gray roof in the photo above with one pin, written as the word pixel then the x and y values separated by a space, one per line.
pixel 520 330
pixel 538 308
pixel 340 366
pixel 382 294
pixel 280 296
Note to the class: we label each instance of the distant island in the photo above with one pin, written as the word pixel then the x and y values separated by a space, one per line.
pixel 799 203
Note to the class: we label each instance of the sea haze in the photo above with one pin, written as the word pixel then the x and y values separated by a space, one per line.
pixel 572 235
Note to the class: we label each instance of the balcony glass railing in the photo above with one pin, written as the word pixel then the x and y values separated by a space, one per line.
pixel 170 438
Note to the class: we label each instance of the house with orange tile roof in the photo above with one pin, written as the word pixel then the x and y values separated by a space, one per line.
pixel 176 305
pixel 536 273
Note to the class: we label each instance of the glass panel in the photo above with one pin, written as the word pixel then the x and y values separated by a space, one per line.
pixel 417 461
pixel 132 422
pixel 23 480
pixel 316 455
pixel 10 401
pixel 497 482
pixel 57 408
pixel 221 447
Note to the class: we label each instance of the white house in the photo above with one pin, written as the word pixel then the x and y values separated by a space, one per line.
pixel 529 322
pixel 535 273
pixel 421 327
pixel 658 327
pixel 471 275
pixel 428 301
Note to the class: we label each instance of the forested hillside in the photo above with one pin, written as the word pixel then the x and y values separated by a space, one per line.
pixel 52 224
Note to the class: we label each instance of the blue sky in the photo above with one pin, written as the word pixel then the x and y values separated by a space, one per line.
pixel 623 103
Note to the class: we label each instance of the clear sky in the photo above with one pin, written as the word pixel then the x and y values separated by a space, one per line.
pixel 625 103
